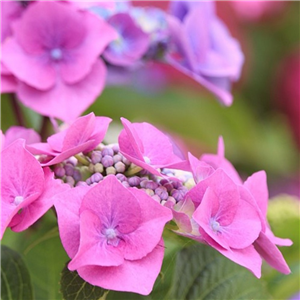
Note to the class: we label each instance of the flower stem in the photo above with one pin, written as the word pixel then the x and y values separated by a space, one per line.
pixel 133 169
pixel 44 128
pixel 82 159
pixel 17 110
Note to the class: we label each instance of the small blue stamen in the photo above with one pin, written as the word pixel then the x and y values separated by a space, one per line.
pixel 56 54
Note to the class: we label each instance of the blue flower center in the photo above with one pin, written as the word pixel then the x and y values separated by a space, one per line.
pixel 111 236
pixel 215 225
pixel 18 200
pixel 56 54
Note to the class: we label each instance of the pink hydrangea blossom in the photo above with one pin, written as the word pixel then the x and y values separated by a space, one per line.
pixel 203 48
pixel 83 135
pixel 110 231
pixel 27 189
pixel 54 53
pixel 149 148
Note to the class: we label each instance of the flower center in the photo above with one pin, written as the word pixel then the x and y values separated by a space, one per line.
pixel 215 225
pixel 18 200
pixel 147 160
pixel 111 236
pixel 56 54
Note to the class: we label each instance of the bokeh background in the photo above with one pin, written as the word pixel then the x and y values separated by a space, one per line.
pixel 261 129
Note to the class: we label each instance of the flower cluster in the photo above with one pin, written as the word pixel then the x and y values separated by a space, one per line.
pixel 63 53
pixel 113 201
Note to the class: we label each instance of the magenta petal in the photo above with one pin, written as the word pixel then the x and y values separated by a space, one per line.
pixel 34 71
pixel 110 200
pixel 93 249
pixel 200 169
pixel 271 254
pixel 68 97
pixel 41 205
pixel 257 186
pixel 153 219
pixel 82 58
pixel 136 276
pixel 67 205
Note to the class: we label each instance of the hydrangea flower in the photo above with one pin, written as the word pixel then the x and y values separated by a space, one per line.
pixel 82 136
pixel 149 148
pixel 54 53
pixel 131 43
pixel 111 232
pixel 203 48
pixel 27 190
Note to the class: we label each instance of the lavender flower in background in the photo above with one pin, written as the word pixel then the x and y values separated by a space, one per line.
pixel 203 49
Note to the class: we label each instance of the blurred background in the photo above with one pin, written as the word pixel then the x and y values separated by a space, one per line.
pixel 261 130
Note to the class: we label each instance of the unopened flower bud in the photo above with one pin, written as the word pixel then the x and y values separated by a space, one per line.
pixel 111 170
pixel 162 192
pixel 134 181
pixel 96 177
pixel 69 169
pixel 59 171
pixel 96 157
pixel 121 177
pixel 120 167
pixel 108 151
pixel 77 175
pixel 98 168
pixel 117 158
pixel 107 161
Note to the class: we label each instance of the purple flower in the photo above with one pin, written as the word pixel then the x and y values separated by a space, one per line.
pixel 82 136
pixel 111 232
pixel 149 148
pixel 27 190
pixel 54 52
pixel 203 49
pixel 131 43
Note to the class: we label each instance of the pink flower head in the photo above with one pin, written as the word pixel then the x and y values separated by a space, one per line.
pixel 82 136
pixel 116 232
pixel 27 190
pixel 18 132
pixel 203 48
pixel 149 148
pixel 218 161
pixel 54 52
pixel 131 43
pixel 266 242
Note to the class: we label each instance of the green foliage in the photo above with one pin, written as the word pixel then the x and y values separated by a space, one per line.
pixel 74 287
pixel 15 278
pixel 203 273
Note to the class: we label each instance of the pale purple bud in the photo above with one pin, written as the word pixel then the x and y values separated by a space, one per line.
pixel 96 157
pixel 88 181
pixel 168 186
pixel 91 168
pixel 69 169
pixel 107 161
pixel 77 175
pixel 120 167
pixel 162 192
pixel 179 193
pixel 125 184
pixel 156 198
pixel 116 148
pixel 171 200
pixel 59 171
pixel 96 177
pixel 121 177
pixel 151 185
pixel 134 181
pixel 70 180
pixel 164 181
pixel 72 160
pixel 149 192
pixel 108 151
pixel 111 170
pixel 117 158
pixel 126 161
pixel 176 184
pixel 98 168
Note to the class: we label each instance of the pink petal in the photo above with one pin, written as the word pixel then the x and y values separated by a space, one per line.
pixel 117 205
pixel 153 219
pixel 200 169
pixel 136 276
pixel 271 254
pixel 68 97
pixel 93 249
pixel 32 70
pixel 67 205
pixel 31 213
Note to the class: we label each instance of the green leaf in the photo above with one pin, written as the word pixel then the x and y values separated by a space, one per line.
pixel 73 287
pixel 15 278
pixel 202 273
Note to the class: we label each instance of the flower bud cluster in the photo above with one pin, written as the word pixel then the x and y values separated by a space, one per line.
pixel 91 168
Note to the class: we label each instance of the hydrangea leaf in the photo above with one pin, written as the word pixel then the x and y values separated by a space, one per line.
pixel 73 287
pixel 202 273
pixel 15 277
